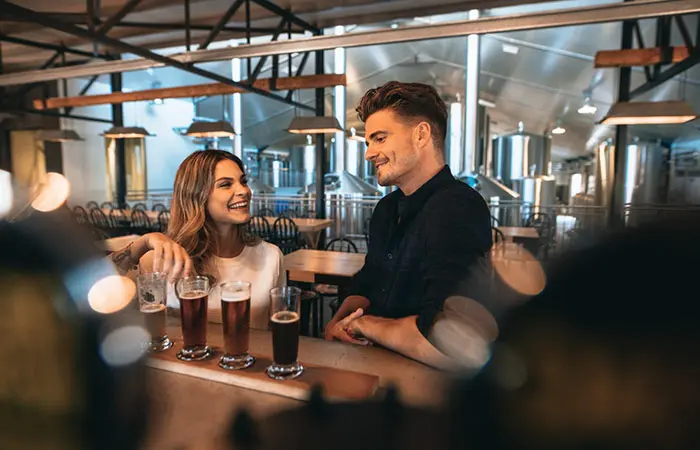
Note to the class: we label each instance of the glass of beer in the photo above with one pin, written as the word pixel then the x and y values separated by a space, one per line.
pixel 152 290
pixel 284 323
pixel 193 293
pixel 235 314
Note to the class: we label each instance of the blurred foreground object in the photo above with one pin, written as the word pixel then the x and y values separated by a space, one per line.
pixel 605 357
pixel 65 382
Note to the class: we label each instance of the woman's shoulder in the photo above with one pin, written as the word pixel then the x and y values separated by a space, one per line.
pixel 267 250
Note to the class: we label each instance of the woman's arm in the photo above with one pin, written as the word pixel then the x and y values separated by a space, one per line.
pixel 165 256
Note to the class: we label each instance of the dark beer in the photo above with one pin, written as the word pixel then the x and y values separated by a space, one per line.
pixel 154 318
pixel 235 313
pixel 193 314
pixel 285 337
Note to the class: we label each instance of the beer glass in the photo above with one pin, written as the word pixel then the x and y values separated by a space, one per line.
pixel 235 315
pixel 193 293
pixel 152 291
pixel 284 323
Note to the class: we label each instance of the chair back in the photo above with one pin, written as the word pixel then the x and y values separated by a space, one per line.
pixel 107 205
pixel 139 206
pixel 259 226
pixel 542 222
pixel 286 235
pixel 98 218
pixel 266 212
pixel 498 235
pixel 308 214
pixel 117 218
pixel 494 221
pixel 92 204
pixel 291 213
pixel 163 221
pixel 139 220
pixel 159 207
pixel 81 216
pixel 341 245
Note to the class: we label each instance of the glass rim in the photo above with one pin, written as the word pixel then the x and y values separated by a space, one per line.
pixel 235 282
pixel 278 290
pixel 193 279
pixel 150 275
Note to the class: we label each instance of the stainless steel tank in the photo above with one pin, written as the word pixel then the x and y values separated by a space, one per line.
pixel 604 173
pixel 646 179
pixel 538 195
pixel 520 155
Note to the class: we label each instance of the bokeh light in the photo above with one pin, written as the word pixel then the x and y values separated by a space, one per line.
pixel 52 193
pixel 111 294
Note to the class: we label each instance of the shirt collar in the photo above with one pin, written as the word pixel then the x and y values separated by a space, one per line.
pixel 408 206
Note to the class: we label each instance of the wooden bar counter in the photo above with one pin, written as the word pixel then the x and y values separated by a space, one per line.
pixel 193 402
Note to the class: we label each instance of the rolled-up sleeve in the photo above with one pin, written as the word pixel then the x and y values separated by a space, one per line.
pixel 457 239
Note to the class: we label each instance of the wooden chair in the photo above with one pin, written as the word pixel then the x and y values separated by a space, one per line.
pixel 291 213
pixel 159 207
pixel 545 228
pixel 139 222
pixel 342 245
pixel 259 226
pixel 498 235
pixel 81 216
pixel 163 221
pixel 328 290
pixel 99 219
pixel 286 235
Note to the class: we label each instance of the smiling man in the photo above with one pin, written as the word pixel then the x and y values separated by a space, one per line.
pixel 425 238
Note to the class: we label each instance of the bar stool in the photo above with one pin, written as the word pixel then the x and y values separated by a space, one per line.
pixel 310 322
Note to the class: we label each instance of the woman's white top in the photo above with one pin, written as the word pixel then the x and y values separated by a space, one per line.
pixel 261 266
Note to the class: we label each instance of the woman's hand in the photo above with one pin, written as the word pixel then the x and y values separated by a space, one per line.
pixel 167 255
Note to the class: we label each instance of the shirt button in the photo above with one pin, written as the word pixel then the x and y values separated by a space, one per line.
pixel 389 256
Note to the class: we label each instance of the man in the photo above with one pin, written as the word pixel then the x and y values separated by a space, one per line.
pixel 424 238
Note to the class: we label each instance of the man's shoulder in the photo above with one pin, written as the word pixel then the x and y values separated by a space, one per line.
pixel 387 200
pixel 457 196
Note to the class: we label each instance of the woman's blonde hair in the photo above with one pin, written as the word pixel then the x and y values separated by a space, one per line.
pixel 190 224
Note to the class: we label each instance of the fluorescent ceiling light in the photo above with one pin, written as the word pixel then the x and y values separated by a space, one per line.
pixel 646 113
pixel 59 136
pixel 588 108
pixel 219 128
pixel 559 130
pixel 314 125
pixel 126 132
pixel 512 49
pixel 354 137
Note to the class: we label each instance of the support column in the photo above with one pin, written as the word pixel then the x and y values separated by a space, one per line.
pixel 339 100
pixel 471 100
pixel 237 110
pixel 119 144
pixel 320 146
pixel 616 211
pixel 455 137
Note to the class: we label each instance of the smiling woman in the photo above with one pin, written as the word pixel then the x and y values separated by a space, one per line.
pixel 211 206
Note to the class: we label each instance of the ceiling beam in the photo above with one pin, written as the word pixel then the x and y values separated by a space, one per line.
pixel 117 17
pixel 18 11
pixel 638 57
pixel 221 24
pixel 613 12
pixel 200 90
pixel 676 69
pixel 53 47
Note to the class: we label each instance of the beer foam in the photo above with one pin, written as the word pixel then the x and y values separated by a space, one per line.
pixel 150 309
pixel 193 295
pixel 235 297
pixel 285 317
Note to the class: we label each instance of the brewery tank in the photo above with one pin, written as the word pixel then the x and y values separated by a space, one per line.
pixel 519 155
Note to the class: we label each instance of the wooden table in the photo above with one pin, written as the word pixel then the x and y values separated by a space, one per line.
pixel 317 266
pixel 192 409
pixel 513 233
pixel 309 228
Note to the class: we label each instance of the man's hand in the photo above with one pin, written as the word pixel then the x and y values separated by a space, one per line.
pixel 340 330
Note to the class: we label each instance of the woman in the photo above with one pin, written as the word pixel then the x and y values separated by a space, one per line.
pixel 209 213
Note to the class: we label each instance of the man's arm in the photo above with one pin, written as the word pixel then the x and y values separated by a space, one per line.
pixel 402 336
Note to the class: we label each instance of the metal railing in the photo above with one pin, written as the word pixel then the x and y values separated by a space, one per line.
pixel 569 225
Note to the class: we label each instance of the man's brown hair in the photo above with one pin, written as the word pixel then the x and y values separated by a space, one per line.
pixel 409 101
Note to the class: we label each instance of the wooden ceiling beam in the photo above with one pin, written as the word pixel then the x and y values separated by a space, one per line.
pixel 637 57
pixel 198 90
